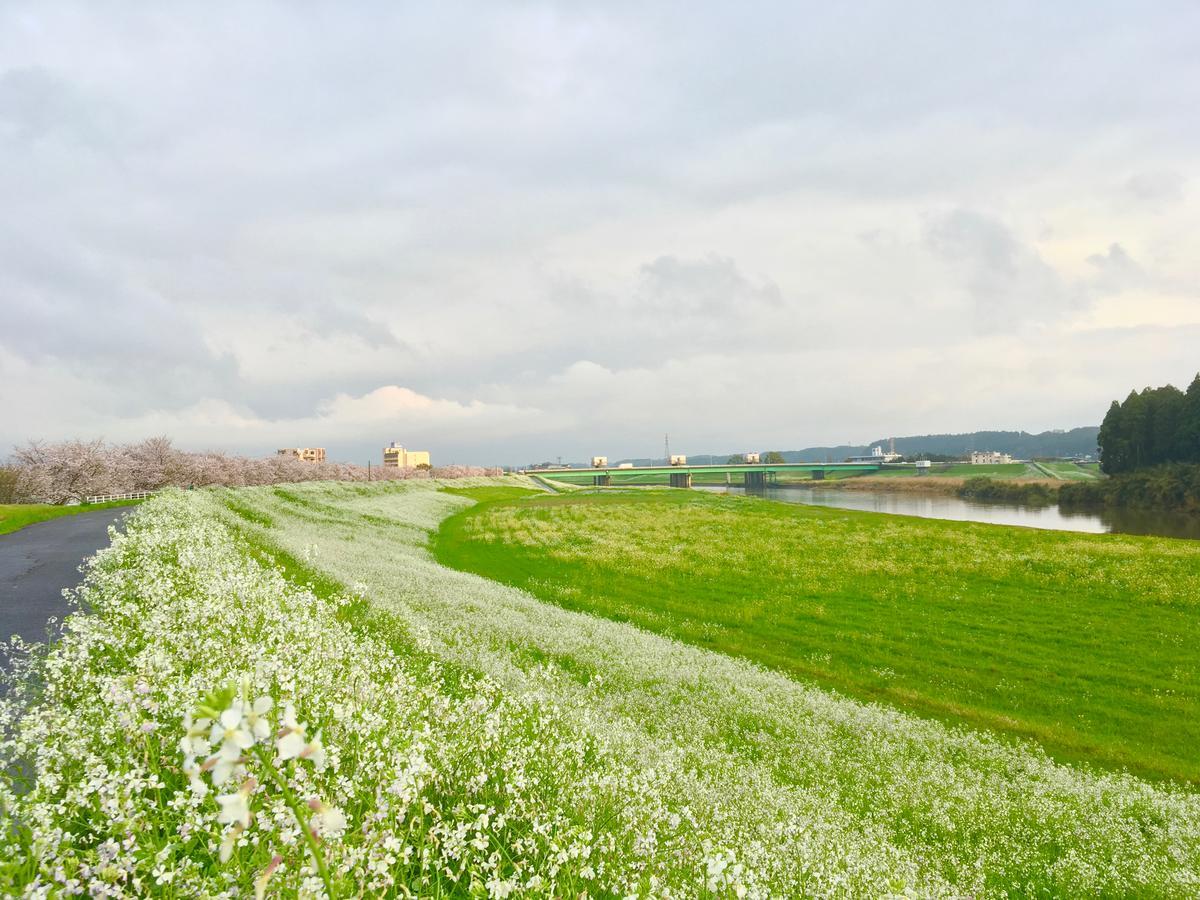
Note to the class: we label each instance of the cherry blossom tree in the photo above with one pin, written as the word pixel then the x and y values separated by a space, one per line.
pixel 71 471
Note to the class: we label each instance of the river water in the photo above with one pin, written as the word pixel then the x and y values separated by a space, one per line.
pixel 1119 521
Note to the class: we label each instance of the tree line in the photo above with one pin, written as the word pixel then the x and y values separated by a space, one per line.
pixel 71 471
pixel 1151 428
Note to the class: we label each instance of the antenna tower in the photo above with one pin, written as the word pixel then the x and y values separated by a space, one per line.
pixel 667 448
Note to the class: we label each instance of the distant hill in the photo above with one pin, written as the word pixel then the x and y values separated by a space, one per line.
pixel 1021 444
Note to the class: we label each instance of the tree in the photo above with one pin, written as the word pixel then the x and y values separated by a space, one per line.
pixel 1189 424
pixel 773 458
pixel 10 478
pixel 1114 449
pixel 1152 428
pixel 735 459
pixel 74 470
pixel 1164 409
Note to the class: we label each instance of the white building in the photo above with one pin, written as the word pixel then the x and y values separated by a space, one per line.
pixel 989 458
pixel 877 455
pixel 599 462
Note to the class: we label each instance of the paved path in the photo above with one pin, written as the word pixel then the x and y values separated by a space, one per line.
pixel 38 561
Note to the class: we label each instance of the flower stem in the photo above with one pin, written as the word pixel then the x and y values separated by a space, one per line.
pixel 297 808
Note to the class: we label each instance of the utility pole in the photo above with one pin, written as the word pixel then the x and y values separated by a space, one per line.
pixel 667 448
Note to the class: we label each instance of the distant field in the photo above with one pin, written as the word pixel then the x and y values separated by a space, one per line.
pixel 14 516
pixel 1001 470
pixel 962 470
pixel 1084 643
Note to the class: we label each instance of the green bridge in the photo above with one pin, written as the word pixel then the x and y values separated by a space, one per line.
pixel 749 474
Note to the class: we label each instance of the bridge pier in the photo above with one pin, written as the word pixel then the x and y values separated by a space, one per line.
pixel 681 479
pixel 818 474
pixel 602 480
pixel 754 480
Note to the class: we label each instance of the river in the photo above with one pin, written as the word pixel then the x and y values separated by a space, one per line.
pixel 1106 521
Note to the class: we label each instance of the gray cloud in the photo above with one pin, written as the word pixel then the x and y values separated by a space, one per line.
pixel 36 105
pixel 1116 270
pixel 1008 283
pixel 1154 191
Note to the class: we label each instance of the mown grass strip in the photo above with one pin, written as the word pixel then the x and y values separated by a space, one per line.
pixel 15 516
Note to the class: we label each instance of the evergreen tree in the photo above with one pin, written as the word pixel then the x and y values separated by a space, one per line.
pixel 1151 428
pixel 1114 450
pixel 1189 423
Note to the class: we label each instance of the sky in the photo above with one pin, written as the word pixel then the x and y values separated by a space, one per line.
pixel 512 232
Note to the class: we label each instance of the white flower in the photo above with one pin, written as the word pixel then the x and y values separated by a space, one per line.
pixel 256 718
pixel 195 741
pixel 199 788
pixel 235 807
pixel 292 744
pixel 314 751
pixel 327 821
pixel 229 841
pixel 227 762
pixel 231 728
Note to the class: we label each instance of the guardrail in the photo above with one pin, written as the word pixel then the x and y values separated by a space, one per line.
pixel 109 498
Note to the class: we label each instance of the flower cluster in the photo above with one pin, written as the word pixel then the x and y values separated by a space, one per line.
pixel 238 730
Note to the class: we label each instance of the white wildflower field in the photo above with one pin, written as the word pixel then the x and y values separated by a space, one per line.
pixel 276 691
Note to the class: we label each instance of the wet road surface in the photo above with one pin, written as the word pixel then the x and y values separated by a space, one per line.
pixel 38 561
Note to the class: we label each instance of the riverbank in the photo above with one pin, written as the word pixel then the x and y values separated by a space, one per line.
pixel 1172 487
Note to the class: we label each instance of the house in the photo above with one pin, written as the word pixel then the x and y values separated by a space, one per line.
pixel 599 462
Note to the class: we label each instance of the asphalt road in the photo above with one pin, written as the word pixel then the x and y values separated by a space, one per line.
pixel 38 561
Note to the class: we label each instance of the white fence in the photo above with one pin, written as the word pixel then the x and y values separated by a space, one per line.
pixel 132 495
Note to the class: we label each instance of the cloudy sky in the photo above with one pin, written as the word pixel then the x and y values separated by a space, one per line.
pixel 509 232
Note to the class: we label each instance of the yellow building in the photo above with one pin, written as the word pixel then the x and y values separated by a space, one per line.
pixel 304 454
pixel 396 457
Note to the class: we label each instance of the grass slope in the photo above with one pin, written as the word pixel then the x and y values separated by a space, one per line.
pixel 1070 471
pixel 14 516
pixel 1084 643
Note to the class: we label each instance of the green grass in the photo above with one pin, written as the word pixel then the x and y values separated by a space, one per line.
pixel 1070 471
pixel 14 516
pixel 1084 643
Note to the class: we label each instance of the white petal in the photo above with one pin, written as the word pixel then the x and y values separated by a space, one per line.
pixel 290 745
pixel 232 717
